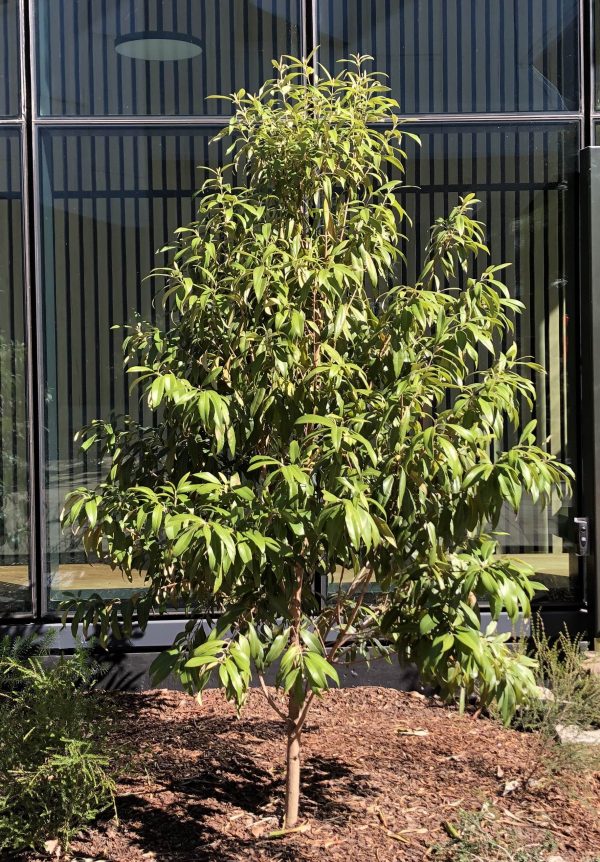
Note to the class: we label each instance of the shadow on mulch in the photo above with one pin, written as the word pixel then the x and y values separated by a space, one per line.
pixel 383 773
pixel 320 773
pixel 172 837
pixel 177 821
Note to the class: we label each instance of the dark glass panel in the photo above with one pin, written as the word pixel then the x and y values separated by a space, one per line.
pixel 461 56
pixel 526 179
pixel 15 594
pixel 110 199
pixel 596 52
pixel 10 84
pixel 82 73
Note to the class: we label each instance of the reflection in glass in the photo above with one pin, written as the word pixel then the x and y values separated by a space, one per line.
pixel 460 56
pixel 110 199
pixel 81 70
pixel 14 532
pixel 9 58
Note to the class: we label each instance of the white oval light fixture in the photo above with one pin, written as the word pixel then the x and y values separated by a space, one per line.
pixel 158 45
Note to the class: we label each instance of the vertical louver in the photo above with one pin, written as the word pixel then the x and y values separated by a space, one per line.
pixel 462 56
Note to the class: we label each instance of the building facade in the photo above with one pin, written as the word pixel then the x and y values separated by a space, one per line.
pixel 104 118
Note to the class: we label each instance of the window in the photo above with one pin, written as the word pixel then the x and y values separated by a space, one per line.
pixel 98 160
pixel 14 529
pixel 459 56
pixel 112 197
pixel 10 84
pixel 527 180
pixel 82 69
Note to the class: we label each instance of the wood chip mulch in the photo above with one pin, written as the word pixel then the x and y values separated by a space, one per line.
pixel 386 775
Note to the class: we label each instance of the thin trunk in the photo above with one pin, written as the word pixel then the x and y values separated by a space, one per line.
pixel 292 782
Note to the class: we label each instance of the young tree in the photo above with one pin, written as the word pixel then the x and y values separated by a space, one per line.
pixel 318 420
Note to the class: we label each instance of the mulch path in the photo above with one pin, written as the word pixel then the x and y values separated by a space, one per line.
pixel 203 785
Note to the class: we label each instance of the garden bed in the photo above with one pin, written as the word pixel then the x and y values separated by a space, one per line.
pixel 386 777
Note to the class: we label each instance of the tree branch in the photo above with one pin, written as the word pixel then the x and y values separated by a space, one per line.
pixel 269 697
pixel 364 577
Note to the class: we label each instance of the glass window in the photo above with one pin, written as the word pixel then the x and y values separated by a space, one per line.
pixel 110 199
pixel 15 594
pixel 596 53
pixel 157 57
pixel 526 179
pixel 10 89
pixel 460 56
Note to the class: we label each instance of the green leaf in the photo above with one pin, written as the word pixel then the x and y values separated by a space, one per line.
pixel 290 658
pixel 201 660
pixel 259 282
pixel 470 639
pixel 426 624
pixel 452 456
pixel 183 542
pixel 311 641
pixel 277 647
pixel 321 664
pixel 353 524
pixel 315 673
pixel 91 511
pixel 313 419
pixel 291 679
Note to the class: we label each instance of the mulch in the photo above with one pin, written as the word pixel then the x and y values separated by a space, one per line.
pixel 386 775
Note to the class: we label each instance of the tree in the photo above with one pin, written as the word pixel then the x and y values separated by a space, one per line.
pixel 318 419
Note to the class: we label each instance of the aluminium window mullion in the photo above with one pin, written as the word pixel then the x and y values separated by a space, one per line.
pixel 34 382
pixel 149 121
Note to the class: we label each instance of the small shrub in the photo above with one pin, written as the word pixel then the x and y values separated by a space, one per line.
pixel 53 775
pixel 569 696
pixel 15 652
pixel 477 836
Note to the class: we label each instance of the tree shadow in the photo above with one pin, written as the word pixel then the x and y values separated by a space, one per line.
pixel 176 835
pixel 329 785
pixel 234 778
pixel 230 785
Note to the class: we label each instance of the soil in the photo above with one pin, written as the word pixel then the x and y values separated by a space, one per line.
pixel 386 777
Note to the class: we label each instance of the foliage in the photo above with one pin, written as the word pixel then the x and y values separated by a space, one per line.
pixel 20 648
pixel 477 837
pixel 572 698
pixel 15 653
pixel 53 776
pixel 319 419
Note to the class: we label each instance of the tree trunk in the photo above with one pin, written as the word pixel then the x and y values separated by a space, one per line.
pixel 292 779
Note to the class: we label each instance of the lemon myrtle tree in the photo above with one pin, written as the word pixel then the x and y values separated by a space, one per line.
pixel 317 419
